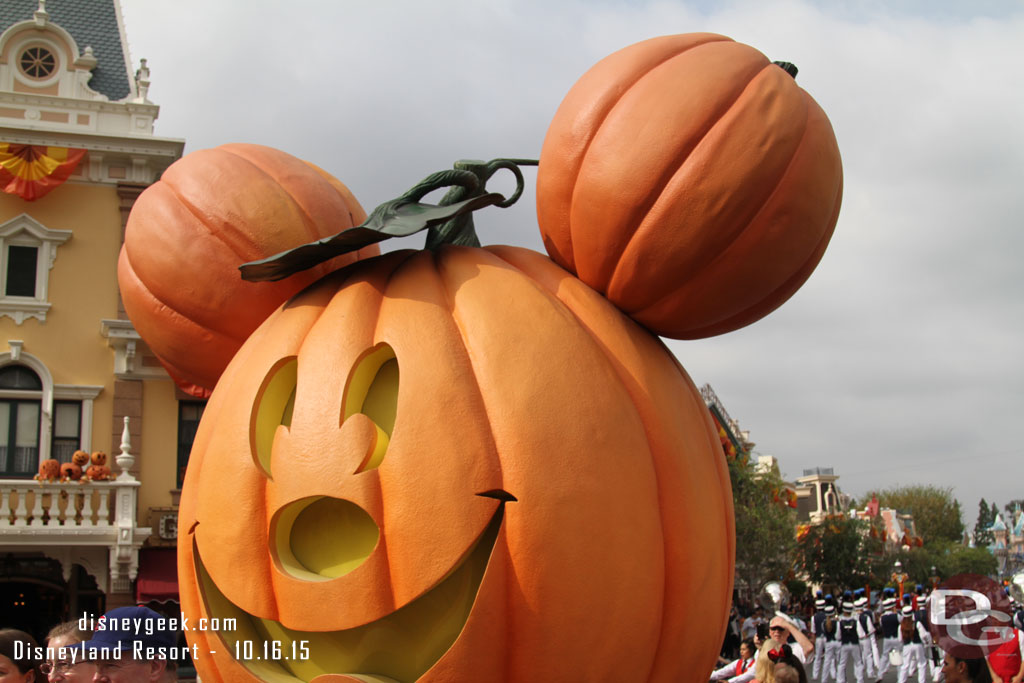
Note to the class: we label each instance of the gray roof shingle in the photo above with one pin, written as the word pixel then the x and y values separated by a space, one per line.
pixel 91 23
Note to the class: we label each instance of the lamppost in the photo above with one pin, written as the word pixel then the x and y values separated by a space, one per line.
pixel 934 577
pixel 899 576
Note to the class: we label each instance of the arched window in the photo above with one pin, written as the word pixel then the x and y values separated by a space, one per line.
pixel 20 410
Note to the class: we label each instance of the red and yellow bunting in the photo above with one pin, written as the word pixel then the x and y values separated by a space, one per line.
pixel 31 171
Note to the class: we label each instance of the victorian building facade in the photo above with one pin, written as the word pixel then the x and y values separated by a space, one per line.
pixel 77 147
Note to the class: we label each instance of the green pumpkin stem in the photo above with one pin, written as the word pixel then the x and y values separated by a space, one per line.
pixel 448 222
pixel 788 67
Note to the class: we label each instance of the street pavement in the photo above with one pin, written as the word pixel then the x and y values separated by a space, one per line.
pixel 891 676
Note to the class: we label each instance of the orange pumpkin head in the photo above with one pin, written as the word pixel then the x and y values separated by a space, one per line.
pixel 690 180
pixel 80 458
pixel 49 470
pixel 99 458
pixel 71 471
pixel 187 234
pixel 460 465
pixel 98 472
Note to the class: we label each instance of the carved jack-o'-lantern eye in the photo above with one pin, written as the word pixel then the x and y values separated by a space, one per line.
pixel 272 410
pixel 372 390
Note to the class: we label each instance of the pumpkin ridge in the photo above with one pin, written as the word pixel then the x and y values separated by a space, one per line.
pixel 596 126
pixel 670 171
pixel 173 312
pixel 789 286
pixel 456 323
pixel 232 245
pixel 635 398
pixel 704 264
pixel 725 484
pixel 307 220
pixel 383 540
pixel 641 311
pixel 675 170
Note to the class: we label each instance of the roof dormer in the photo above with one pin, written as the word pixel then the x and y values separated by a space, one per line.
pixel 40 57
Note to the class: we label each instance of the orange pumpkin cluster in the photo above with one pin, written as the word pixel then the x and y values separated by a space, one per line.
pixel 464 451
pixel 83 468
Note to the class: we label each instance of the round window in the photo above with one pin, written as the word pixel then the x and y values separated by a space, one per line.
pixel 37 62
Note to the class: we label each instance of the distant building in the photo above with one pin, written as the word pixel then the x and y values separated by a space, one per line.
pixel 817 496
pixel 1008 542
pixel 735 442
pixel 898 529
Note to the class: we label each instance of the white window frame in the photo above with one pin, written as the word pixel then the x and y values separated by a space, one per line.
pixel 26 231
pixel 50 391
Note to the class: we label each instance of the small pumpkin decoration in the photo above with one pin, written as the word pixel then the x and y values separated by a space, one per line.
pixel 187 234
pixel 49 470
pixel 80 458
pixel 99 458
pixel 435 444
pixel 70 471
pixel 690 180
pixel 98 473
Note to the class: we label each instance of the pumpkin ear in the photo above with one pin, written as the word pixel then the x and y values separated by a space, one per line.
pixel 272 409
pixel 372 390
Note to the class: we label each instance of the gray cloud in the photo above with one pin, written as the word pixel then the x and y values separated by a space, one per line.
pixel 898 362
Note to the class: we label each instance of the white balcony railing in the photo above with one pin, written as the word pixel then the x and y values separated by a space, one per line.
pixel 73 521
pixel 44 506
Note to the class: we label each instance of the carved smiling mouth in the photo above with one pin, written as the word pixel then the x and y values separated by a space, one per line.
pixel 399 647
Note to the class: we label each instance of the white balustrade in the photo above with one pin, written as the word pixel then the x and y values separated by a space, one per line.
pixel 44 506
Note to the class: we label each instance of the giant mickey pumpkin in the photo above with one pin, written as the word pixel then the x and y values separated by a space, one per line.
pixel 455 466
pixel 690 180
pixel 187 233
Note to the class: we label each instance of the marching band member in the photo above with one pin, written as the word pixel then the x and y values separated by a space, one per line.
pixel 830 634
pixel 850 635
pixel 818 623
pixel 741 670
pixel 890 626
pixel 914 637
pixel 868 644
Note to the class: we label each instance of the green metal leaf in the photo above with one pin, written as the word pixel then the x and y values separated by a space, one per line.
pixel 449 222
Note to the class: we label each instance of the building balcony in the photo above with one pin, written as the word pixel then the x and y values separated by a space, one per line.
pixel 92 524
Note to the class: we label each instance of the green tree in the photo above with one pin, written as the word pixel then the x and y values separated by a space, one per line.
pixel 936 513
pixel 765 527
pixel 962 560
pixel 982 535
pixel 836 554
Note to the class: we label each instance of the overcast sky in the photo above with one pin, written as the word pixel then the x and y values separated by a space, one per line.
pixel 899 362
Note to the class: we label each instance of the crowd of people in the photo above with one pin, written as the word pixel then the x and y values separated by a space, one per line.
pixel 820 640
pixel 126 645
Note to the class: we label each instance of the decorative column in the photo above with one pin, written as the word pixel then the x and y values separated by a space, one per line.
pixel 124 553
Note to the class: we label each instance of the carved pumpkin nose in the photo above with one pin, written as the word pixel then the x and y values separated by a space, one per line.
pixel 321 538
